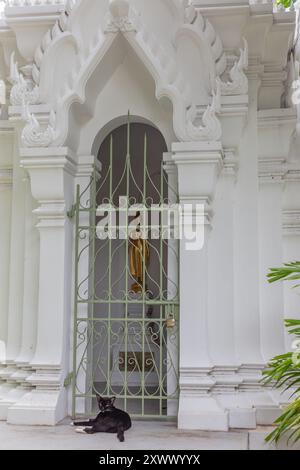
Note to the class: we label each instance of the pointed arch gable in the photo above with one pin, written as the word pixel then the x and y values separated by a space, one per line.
pixel 159 57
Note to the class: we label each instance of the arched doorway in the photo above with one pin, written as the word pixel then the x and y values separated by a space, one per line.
pixel 127 293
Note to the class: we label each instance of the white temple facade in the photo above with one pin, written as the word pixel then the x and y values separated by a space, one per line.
pixel 211 84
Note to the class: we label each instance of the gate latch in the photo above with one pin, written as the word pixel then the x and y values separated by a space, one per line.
pixel 68 380
pixel 72 212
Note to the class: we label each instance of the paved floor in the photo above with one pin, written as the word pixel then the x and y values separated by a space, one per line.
pixel 143 435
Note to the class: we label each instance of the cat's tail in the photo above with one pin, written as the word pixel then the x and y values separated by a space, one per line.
pixel 120 434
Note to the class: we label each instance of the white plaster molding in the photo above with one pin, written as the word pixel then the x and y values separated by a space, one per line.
pixel 24 89
pixel 2 95
pixel 196 380
pixel 293 174
pixel 291 222
pixel 203 32
pixel 226 379
pixel 198 408
pixel 272 170
pixel 162 67
pixel 230 162
pixel 6 176
pixel 292 82
pixel 159 62
pixel 33 134
pixel 31 3
pixel 58 29
pixel 251 375
pixel 239 81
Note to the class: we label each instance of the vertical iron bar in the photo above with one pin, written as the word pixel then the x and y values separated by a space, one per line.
pixel 144 332
pixel 74 381
pixel 93 204
pixel 109 269
pixel 127 260
pixel 161 281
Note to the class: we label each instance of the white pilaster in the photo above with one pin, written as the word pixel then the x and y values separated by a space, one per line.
pixel 10 391
pixel 5 230
pixel 291 241
pixel 52 173
pixel 270 239
pixel 270 251
pixel 253 399
pixel 30 297
pixel 221 317
pixel 198 167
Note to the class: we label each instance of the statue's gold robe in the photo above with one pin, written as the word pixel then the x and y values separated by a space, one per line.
pixel 139 257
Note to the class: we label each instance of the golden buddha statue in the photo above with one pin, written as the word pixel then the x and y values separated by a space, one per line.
pixel 139 257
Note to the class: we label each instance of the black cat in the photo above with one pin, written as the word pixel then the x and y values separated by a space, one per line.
pixel 110 419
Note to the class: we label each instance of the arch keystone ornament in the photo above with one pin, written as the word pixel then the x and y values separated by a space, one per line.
pixel 121 17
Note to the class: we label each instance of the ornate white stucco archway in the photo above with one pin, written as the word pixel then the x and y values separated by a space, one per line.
pixel 72 53
pixel 79 69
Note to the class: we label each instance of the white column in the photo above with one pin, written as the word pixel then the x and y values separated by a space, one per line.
pixel 221 317
pixel 253 399
pixel 271 255
pixel 52 172
pixel 5 230
pixel 30 298
pixel 10 391
pixel 198 166
pixel 291 242
pixel 271 295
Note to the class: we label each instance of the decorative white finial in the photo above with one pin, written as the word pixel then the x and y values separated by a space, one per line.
pixel 238 84
pixel 2 92
pixel 119 8
pixel 23 89
pixel 33 134
pixel 211 129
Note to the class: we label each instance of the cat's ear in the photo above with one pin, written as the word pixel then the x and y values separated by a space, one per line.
pixel 99 399
pixel 113 400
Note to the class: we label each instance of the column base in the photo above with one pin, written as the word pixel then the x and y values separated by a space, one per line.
pixel 242 415
pixel 14 394
pixel 39 408
pixel 201 413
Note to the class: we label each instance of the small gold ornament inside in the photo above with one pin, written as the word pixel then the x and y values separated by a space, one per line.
pixel 171 322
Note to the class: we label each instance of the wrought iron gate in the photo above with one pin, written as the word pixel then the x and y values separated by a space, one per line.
pixel 126 289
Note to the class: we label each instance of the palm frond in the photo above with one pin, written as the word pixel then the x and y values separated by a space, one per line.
pixel 282 371
pixel 289 272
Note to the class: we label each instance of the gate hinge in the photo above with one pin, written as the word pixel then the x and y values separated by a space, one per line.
pixel 72 212
pixel 68 380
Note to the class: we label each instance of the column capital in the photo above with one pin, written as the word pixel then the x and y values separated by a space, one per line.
pixel 6 176
pixel 169 164
pixel 86 164
pixel 272 170
pixel 196 147
pixel 199 165
pixel 51 171
pixel 291 222
pixel 230 162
